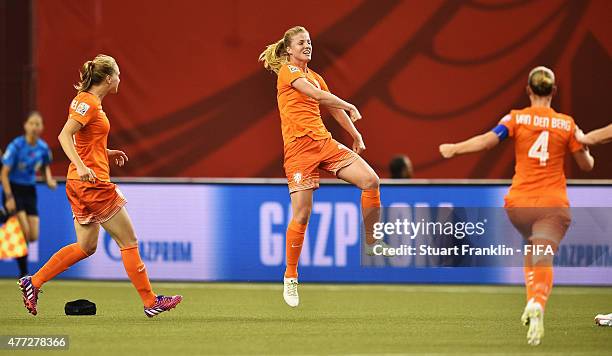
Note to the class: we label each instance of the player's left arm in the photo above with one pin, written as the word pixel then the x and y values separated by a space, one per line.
pixel 347 124
pixel 486 141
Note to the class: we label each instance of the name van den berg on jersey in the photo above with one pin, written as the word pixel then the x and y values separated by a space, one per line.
pixel 545 122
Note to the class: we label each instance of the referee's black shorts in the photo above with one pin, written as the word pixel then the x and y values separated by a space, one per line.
pixel 25 198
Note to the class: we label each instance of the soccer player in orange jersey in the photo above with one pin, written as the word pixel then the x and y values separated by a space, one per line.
pixel 308 145
pixel 95 201
pixel 537 203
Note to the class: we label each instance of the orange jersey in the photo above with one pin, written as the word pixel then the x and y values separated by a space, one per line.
pixel 542 138
pixel 300 114
pixel 90 141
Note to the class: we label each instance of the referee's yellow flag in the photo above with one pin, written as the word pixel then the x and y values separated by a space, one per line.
pixel 12 241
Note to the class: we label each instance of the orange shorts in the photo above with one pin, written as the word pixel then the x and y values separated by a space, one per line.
pixel 541 201
pixel 542 217
pixel 94 202
pixel 304 156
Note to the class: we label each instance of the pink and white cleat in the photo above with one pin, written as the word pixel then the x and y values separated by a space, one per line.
pixel 29 294
pixel 163 304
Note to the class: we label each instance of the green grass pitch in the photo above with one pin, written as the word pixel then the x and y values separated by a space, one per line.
pixel 248 319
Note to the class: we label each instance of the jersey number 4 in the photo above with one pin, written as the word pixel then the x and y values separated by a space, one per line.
pixel 539 149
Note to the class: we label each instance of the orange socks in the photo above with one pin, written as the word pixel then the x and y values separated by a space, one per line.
pixel 73 253
pixel 529 281
pixel 543 282
pixel 58 263
pixel 294 242
pixel 138 275
pixel 370 209
pixel 538 278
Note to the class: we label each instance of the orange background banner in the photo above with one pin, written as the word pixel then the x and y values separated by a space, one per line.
pixel 195 102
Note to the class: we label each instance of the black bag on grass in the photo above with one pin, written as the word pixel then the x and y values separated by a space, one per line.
pixel 80 307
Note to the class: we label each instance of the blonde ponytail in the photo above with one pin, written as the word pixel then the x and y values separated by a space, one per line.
pixel 95 71
pixel 86 74
pixel 275 55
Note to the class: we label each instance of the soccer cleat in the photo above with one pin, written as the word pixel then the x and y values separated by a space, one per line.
pixel 290 292
pixel 533 316
pixel 381 251
pixel 162 304
pixel 29 294
pixel 603 319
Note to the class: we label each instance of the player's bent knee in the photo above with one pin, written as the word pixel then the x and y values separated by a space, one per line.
pixel 372 182
pixel 302 218
pixel 131 243
pixel 302 215
pixel 132 240
pixel 541 260
pixel 89 249
pixel 127 242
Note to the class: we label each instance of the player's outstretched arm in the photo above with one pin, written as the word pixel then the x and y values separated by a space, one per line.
pixel 475 144
pixel 596 137
pixel 325 98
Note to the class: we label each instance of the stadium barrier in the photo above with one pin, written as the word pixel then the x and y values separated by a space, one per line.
pixel 233 230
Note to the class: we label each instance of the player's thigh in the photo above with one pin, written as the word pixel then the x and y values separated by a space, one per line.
pixel 551 225
pixel 300 164
pixel 360 174
pixel 121 229
pixel 34 224
pixel 301 205
pixel 548 231
pixel 87 236
pixel 540 223
pixel 522 218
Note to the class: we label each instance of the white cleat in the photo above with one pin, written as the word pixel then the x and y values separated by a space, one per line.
pixel 603 319
pixel 290 292
pixel 533 316
pixel 373 250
